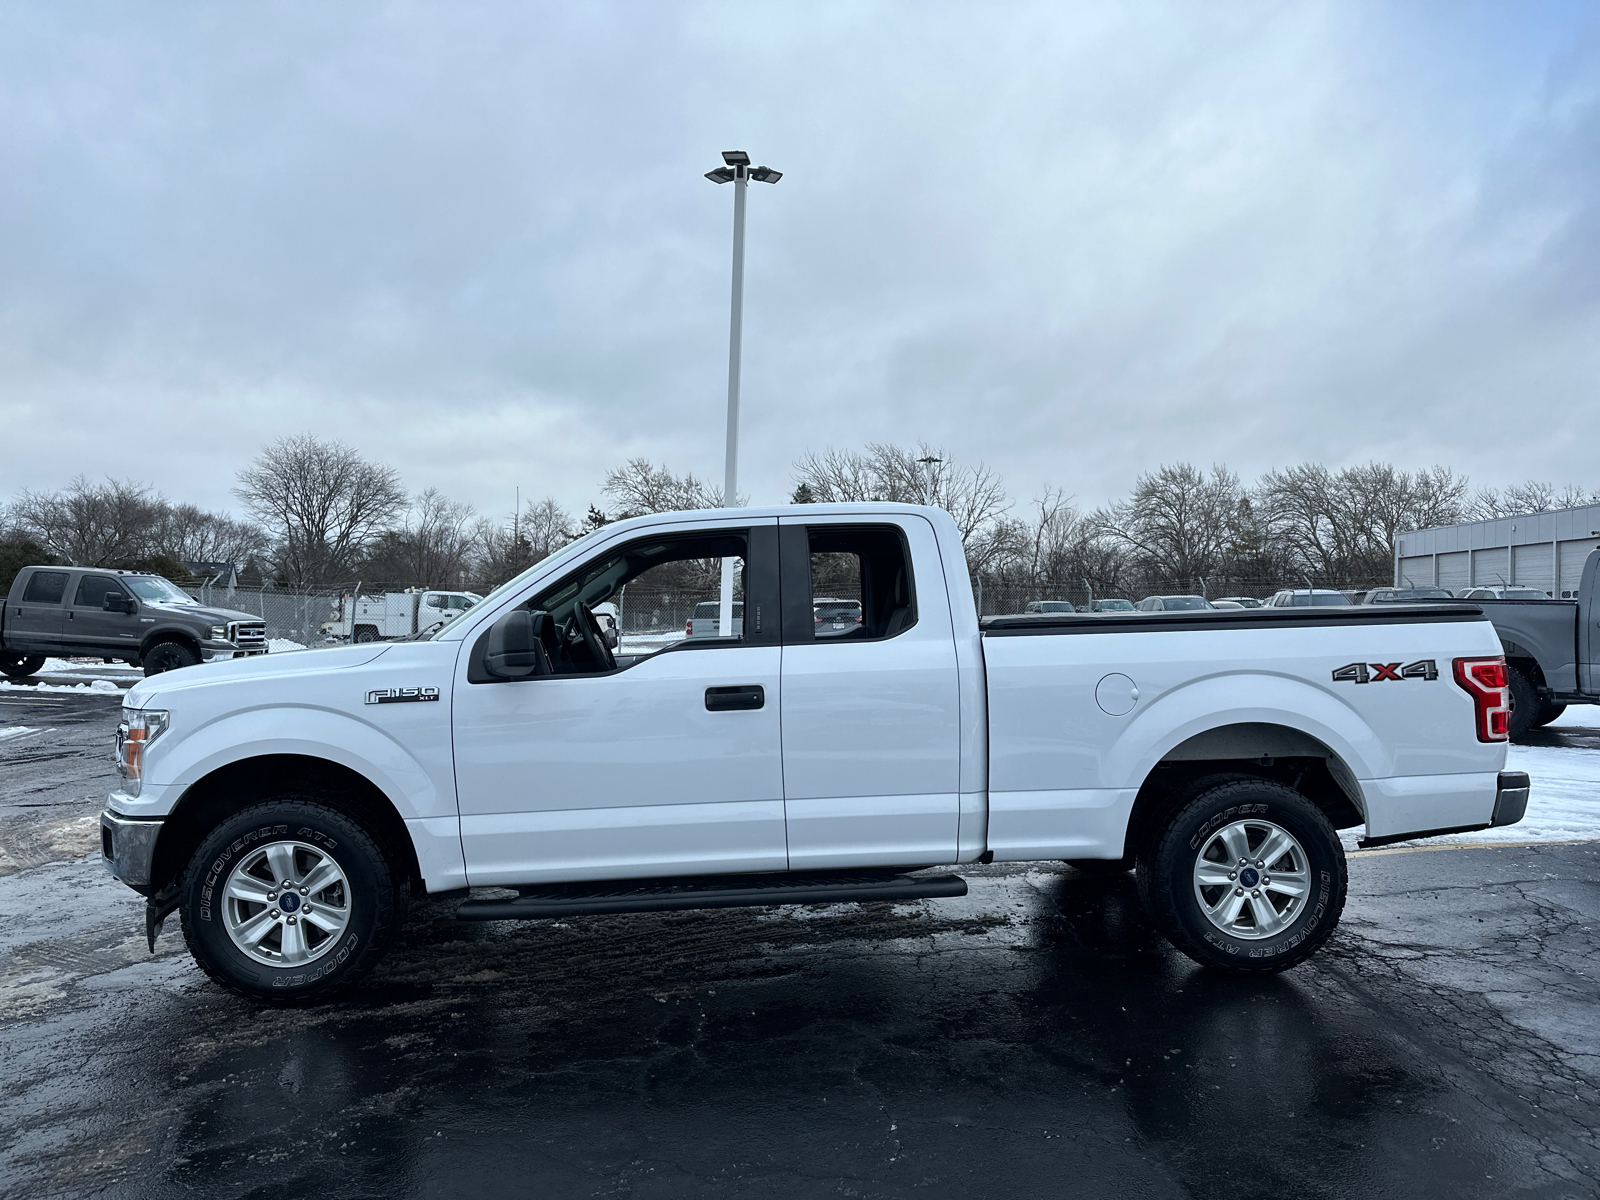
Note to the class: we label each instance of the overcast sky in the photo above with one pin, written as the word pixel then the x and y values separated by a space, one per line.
pixel 1072 240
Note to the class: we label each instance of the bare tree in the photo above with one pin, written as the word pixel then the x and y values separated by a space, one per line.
pixel 432 548
pixel 187 533
pixel 91 525
pixel 1179 525
pixel 322 501
pixel 1340 526
pixel 639 486
pixel 504 551
pixel 1534 496
pixel 974 497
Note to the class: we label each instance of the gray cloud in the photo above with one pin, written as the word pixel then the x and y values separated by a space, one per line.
pixel 1074 241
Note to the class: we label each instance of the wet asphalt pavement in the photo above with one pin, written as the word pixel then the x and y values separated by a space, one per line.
pixel 1035 1038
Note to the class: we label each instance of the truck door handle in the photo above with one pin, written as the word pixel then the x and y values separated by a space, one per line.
pixel 735 699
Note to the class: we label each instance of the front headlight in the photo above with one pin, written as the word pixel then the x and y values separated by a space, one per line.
pixel 140 727
pixel 219 632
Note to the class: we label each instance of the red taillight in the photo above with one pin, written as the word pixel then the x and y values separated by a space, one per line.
pixel 1484 679
pixel 688 627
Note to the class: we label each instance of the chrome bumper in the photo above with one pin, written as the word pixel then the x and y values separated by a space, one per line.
pixel 128 845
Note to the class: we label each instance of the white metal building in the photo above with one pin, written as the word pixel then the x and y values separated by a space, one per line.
pixel 1543 550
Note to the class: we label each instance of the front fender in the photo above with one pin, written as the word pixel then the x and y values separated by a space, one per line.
pixel 409 766
pixel 1271 699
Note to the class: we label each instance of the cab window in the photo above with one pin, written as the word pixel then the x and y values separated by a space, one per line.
pixel 93 590
pixel 665 591
pixel 46 587
pixel 853 583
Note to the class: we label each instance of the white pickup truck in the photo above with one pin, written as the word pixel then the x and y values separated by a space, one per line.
pixel 287 806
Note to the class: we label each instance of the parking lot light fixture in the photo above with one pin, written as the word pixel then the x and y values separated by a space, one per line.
pixel 737 172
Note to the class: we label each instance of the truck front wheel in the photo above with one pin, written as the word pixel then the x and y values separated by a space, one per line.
pixel 20 666
pixel 1248 877
pixel 167 656
pixel 288 900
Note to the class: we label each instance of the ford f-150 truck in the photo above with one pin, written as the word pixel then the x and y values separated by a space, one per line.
pixel 286 808
pixel 144 620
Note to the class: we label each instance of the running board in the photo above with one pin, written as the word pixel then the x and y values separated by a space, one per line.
pixel 711 891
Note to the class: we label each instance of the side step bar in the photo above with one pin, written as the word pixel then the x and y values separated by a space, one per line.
pixel 710 891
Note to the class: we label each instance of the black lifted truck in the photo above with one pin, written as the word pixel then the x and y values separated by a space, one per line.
pixel 143 620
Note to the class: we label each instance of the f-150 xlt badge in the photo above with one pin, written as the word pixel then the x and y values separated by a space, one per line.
pixel 1423 668
pixel 401 695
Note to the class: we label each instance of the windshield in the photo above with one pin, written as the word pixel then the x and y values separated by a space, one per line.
pixel 1183 603
pixel 153 589
pixel 509 585
pixel 1113 605
pixel 1524 594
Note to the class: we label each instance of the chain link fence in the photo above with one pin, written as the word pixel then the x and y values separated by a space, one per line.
pixel 289 615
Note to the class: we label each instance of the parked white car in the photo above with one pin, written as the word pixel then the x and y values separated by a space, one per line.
pixel 284 806
pixel 1308 598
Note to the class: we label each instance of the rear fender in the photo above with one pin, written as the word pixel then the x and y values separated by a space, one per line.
pixel 1213 703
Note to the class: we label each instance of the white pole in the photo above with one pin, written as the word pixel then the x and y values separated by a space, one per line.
pixel 730 484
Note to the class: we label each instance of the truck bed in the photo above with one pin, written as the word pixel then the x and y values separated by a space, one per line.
pixel 1229 618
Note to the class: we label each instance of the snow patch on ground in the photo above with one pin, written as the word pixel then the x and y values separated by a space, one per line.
pixel 11 731
pixel 98 686
pixel 282 646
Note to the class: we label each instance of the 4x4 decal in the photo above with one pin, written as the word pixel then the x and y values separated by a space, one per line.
pixel 1423 668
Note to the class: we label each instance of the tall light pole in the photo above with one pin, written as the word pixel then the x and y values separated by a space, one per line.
pixel 737 171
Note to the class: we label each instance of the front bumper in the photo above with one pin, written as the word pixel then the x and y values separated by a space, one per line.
pixel 1510 805
pixel 128 846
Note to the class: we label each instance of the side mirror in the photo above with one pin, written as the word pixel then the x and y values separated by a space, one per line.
pixel 514 650
pixel 115 602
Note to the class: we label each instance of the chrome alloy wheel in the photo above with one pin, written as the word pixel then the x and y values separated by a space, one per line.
pixel 286 903
pixel 1251 879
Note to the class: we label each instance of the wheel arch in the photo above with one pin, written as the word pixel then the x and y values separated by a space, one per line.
pixel 170 634
pixel 236 785
pixel 1246 750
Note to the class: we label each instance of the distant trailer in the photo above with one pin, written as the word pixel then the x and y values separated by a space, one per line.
pixel 1541 550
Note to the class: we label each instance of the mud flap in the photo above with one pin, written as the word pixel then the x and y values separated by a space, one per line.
pixel 156 910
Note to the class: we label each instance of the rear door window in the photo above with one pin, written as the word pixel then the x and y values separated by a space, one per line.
pixel 46 587
pixel 854 582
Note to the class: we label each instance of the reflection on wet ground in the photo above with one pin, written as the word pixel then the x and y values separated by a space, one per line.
pixel 1033 1038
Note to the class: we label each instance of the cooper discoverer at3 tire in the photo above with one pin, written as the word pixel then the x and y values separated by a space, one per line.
pixel 288 900
pixel 1249 877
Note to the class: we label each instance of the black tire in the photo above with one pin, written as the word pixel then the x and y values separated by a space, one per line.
pixel 1101 866
pixel 366 633
pixel 167 656
pixel 20 666
pixel 1549 710
pixel 370 892
pixel 1167 868
pixel 1524 703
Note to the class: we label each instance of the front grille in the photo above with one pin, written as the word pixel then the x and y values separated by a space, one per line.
pixel 249 636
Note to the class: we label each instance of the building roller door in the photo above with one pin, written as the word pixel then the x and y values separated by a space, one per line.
pixel 1573 555
pixel 1531 566
pixel 1453 570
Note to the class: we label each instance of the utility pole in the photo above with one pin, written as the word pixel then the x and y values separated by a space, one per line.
pixel 736 170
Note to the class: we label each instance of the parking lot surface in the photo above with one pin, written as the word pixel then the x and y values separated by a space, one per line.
pixel 1034 1038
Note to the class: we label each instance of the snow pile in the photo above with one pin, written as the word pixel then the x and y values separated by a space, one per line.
pixel 282 646
pixel 104 687
pixel 11 731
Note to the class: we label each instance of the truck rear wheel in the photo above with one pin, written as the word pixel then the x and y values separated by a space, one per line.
pixel 366 633
pixel 20 666
pixel 288 900
pixel 1248 877
pixel 1549 710
pixel 168 656
pixel 1524 703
